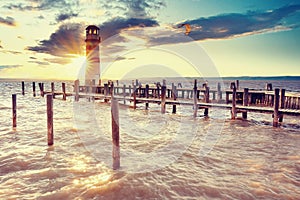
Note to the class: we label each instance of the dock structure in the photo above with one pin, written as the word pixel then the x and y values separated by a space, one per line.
pixel 277 102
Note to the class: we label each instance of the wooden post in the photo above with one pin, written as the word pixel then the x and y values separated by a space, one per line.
pixel 163 99
pixel 195 98
pixel 33 89
pixel 157 91
pixel 41 86
pixel 63 86
pixel 147 95
pixel 134 97
pixel 14 110
pixel 233 109
pixel 219 92
pixel 23 88
pixel 174 92
pixel 245 101
pixel 136 82
pixel 282 100
pixel 76 88
pixel 227 97
pixel 276 108
pixel 50 119
pixel 237 84
pixel 206 100
pixel 106 92
pixel 115 133
pixel 52 89
pixel 124 93
pixel 129 89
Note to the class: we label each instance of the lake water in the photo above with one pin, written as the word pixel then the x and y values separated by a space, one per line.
pixel 170 156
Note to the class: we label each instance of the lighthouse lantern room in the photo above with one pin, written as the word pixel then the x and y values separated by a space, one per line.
pixel 92 71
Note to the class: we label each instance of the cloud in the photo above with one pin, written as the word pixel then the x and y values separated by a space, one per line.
pixel 9 66
pixel 9 21
pixel 58 60
pixel 39 62
pixel 64 16
pixel 235 24
pixel 11 52
pixel 116 25
pixel 66 42
pixel 1 47
pixel 41 5
pixel 134 8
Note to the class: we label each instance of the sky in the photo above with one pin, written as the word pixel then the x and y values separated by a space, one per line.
pixel 44 39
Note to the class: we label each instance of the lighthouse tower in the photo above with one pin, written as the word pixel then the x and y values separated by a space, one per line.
pixel 92 71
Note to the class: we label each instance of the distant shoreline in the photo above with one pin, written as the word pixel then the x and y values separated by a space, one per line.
pixel 253 78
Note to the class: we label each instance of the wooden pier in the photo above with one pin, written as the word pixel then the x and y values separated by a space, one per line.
pixel 277 102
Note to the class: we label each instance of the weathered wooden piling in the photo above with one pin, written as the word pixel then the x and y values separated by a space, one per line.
pixel 124 93
pixel 33 89
pixel 174 93
pixel 14 110
pixel 63 87
pixel 206 99
pixel 282 100
pixel 233 109
pixel 115 134
pixel 276 108
pixel 41 86
pixel 195 98
pixel 23 88
pixel 237 84
pixel 219 92
pixel 163 99
pixel 134 97
pixel 76 88
pixel 52 90
pixel 147 96
pixel 50 118
pixel 245 101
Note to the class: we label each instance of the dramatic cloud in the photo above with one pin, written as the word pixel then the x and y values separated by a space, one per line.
pixel 234 25
pixel 42 5
pixel 116 25
pixel 134 8
pixel 66 41
pixel 64 16
pixel 9 21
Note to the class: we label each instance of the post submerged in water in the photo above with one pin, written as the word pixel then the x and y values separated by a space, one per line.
pixel 282 100
pixel 195 98
pixel 206 99
pixel 14 110
pixel 52 89
pixel 33 89
pixel 63 86
pixel 41 86
pixel 115 134
pixel 245 101
pixel 23 88
pixel 163 99
pixel 233 110
pixel 276 108
pixel 50 119
pixel 76 88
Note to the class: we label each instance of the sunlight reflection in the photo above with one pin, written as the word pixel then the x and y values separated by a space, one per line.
pixel 95 180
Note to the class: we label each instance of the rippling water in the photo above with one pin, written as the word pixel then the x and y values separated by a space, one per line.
pixel 162 156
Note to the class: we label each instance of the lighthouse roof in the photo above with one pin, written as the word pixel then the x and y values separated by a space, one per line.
pixel 92 27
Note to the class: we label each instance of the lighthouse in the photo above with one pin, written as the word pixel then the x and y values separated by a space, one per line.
pixel 92 71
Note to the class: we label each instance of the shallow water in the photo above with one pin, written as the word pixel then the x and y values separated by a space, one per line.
pixel 171 156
